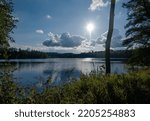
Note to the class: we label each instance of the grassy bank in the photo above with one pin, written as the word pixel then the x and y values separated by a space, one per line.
pixel 133 88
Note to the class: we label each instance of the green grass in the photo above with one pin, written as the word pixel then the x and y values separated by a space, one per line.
pixel 95 88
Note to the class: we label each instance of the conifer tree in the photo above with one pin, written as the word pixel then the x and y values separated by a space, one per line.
pixel 138 26
pixel 138 31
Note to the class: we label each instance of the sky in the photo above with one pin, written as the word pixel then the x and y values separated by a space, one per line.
pixel 61 25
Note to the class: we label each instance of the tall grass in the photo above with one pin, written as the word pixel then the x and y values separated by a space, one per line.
pixel 95 88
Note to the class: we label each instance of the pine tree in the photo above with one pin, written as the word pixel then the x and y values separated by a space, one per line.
pixel 7 22
pixel 138 31
pixel 138 26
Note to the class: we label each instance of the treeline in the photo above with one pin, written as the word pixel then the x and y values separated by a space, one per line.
pixel 99 54
pixel 14 53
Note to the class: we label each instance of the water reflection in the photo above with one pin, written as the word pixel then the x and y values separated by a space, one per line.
pixel 62 76
pixel 36 72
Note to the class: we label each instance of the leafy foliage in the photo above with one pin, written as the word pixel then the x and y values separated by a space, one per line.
pixel 140 56
pixel 10 92
pixel 95 88
pixel 7 22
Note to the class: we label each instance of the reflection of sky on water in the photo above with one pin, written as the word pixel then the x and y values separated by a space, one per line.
pixel 35 72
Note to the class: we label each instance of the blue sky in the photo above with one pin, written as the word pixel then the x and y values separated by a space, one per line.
pixel 60 25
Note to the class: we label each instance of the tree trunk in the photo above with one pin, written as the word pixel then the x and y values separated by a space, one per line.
pixel 146 7
pixel 109 36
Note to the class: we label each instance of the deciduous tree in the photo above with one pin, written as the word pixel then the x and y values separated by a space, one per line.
pixel 7 22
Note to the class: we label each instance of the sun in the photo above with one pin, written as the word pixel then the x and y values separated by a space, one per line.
pixel 90 27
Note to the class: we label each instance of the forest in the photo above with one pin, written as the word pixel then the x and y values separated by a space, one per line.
pixel 14 53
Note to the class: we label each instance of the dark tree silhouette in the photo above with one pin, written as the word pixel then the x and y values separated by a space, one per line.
pixel 138 31
pixel 138 26
pixel 109 36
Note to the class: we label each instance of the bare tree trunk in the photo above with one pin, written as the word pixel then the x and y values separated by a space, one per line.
pixel 146 6
pixel 109 36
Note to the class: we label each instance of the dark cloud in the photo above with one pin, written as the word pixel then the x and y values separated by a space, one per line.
pixel 50 43
pixel 63 40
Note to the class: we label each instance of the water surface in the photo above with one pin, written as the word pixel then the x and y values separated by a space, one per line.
pixel 33 72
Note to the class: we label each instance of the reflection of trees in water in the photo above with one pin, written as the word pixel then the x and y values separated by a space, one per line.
pixel 55 78
pixel 29 74
pixel 62 76
pixel 21 65
pixel 24 65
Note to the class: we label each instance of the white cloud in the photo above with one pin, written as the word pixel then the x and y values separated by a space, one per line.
pixel 37 47
pixel 116 39
pixel 97 4
pixel 81 44
pixel 63 40
pixel 102 39
pixel 48 17
pixel 66 43
pixel 40 31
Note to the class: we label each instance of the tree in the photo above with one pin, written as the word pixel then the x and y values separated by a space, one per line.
pixel 109 36
pixel 138 31
pixel 7 22
pixel 138 26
